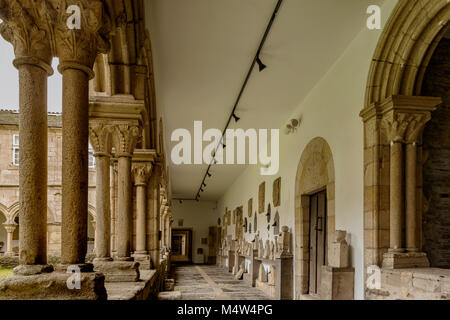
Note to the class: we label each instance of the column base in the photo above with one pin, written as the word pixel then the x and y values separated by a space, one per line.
pixel 397 260
pixel 34 269
pixel 83 267
pixel 118 271
pixel 143 259
pixel 53 286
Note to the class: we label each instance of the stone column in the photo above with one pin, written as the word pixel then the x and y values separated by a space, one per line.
pixel 412 138
pixel 154 202
pixel 404 118
pixel 141 173
pixel 100 136
pixel 396 196
pixel 124 141
pixel 113 204
pixel 10 228
pixel 33 61
pixel 77 51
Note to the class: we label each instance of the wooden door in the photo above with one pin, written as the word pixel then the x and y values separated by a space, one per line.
pixel 317 239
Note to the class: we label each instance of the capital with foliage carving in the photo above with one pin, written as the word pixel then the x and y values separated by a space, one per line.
pixel 100 135
pixel 141 173
pixel 27 25
pixel 125 137
pixel 78 48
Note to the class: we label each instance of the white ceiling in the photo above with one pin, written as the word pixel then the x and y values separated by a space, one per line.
pixel 202 51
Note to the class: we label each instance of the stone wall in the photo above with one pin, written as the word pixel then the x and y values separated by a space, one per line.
pixel 436 169
pixel 9 180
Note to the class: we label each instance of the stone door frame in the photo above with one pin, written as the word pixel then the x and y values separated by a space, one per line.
pixel 315 173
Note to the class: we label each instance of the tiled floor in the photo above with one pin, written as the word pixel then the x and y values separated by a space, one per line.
pixel 212 283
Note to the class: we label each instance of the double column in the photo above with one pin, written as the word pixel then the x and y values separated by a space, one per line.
pixel 125 136
pixel 404 119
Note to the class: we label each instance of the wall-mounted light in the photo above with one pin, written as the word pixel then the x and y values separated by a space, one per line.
pixel 292 125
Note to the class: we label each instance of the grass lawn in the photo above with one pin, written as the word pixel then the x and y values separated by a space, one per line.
pixel 5 272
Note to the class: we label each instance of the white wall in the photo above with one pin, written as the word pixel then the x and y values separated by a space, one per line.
pixel 199 216
pixel 331 111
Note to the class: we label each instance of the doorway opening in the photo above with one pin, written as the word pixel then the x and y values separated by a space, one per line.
pixel 181 246
pixel 317 239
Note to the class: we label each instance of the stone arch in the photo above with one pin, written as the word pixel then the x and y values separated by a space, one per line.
pixel 395 79
pixel 405 48
pixel 315 173
pixel 4 211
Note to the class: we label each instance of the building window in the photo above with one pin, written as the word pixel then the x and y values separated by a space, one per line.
pixel 16 149
pixel 91 157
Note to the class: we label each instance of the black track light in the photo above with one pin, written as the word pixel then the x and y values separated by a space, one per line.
pixel 261 65
pixel 181 201
pixel 236 118
pixel 204 184
pixel 201 189
pixel 224 145
pixel 209 174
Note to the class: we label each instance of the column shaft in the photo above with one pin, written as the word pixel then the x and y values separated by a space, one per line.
pixel 33 164
pixel 411 184
pixel 141 219
pixel 9 242
pixel 396 201
pixel 154 217
pixel 124 211
pixel 103 225
pixel 74 166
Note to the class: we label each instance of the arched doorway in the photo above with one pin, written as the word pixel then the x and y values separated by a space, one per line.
pixel 314 197
pixel 395 113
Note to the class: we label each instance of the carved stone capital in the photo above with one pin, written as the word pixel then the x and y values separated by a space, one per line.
pixel 27 26
pixel 396 126
pixel 78 48
pixel 10 227
pixel 141 173
pixel 125 137
pixel 404 117
pixel 100 135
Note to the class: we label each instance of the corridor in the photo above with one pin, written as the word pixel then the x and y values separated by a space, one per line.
pixel 212 283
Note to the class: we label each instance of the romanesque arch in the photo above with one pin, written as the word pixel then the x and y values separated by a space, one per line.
pixel 394 116
pixel 315 173
pixel 405 48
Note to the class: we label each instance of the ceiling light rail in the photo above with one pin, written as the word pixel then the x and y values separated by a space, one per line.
pixel 233 115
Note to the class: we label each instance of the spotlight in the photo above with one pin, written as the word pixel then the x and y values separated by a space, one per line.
pixel 224 145
pixel 181 201
pixel 236 118
pixel 201 189
pixel 261 65
pixel 204 184
pixel 214 161
pixel 209 174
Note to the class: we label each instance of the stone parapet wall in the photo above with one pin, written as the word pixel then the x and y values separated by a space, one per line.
pixel 413 284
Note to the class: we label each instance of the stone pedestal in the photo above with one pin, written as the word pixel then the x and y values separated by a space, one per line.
pixel 144 260
pixel 395 260
pixel 39 282
pixel 118 271
pixel 337 283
